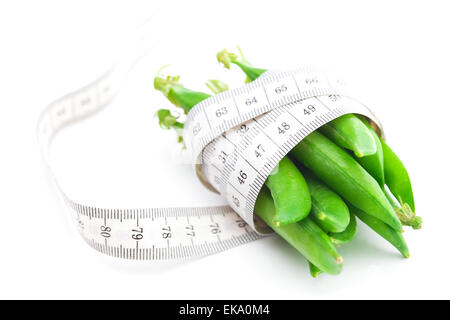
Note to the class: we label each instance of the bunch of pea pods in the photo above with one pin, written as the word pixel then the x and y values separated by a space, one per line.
pixel 341 172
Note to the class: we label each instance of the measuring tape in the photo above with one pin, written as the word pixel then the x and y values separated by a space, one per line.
pixel 236 139
pixel 239 136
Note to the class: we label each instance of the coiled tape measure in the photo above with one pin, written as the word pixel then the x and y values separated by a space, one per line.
pixel 236 139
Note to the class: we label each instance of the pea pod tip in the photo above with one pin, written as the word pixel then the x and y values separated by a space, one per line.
pixel 321 216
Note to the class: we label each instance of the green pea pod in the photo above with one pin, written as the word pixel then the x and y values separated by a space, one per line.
pixel 289 192
pixel 305 236
pixel 392 236
pixel 373 163
pixel 313 270
pixel 340 238
pixel 345 176
pixel 328 210
pixel 397 177
pixel 350 133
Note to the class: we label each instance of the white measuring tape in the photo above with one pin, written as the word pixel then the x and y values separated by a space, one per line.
pixel 237 138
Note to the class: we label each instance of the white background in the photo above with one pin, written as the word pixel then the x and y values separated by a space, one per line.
pixel 397 50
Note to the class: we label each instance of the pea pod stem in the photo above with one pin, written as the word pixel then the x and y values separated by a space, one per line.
pixel 168 121
pixel 176 93
pixel 404 212
pixel 217 86
pixel 227 58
